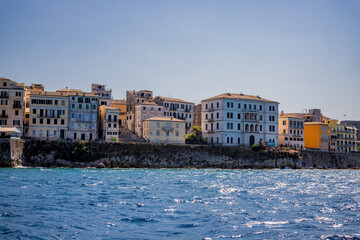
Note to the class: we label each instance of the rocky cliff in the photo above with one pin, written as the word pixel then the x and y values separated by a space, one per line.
pixel 114 155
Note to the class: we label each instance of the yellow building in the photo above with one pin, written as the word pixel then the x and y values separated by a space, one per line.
pixel 342 138
pixel 316 136
pixel 291 131
pixel 109 123
pixel 121 105
pixel 164 130
pixel 48 115
pixel 12 106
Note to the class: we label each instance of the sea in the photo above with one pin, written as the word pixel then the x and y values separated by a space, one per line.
pixel 46 203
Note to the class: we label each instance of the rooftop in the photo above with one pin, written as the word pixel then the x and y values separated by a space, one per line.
pixel 238 96
pixel 289 115
pixel 174 100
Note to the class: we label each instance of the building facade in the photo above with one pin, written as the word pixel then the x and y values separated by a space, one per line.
pixel 83 120
pixel 238 119
pixel 12 106
pixel 121 105
pixel 164 130
pixel 179 109
pixel 103 93
pixel 145 111
pixel 291 131
pixel 134 98
pixel 316 136
pixel 109 123
pixel 48 115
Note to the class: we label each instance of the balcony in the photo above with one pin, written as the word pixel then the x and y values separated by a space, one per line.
pixel 211 120
pixel 17 106
pixel 4 116
pixel 187 110
pixel 6 95
pixel 211 109
pixel 210 130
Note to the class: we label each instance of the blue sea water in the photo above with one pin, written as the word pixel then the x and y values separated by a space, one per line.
pixel 179 204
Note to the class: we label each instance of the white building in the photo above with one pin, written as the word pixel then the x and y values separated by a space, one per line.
pixel 238 119
pixel 109 123
pixel 179 109
pixel 145 111
pixel 103 92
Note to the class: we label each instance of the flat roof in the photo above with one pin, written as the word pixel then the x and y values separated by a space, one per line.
pixel 174 100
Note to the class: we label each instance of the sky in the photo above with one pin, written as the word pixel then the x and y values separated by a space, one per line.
pixel 303 54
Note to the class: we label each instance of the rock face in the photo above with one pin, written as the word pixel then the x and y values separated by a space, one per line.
pixel 114 155
pixel 317 159
pixel 11 152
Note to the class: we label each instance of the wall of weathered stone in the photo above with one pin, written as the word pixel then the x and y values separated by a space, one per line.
pixel 318 159
pixel 112 155
pixel 5 154
pixel 11 152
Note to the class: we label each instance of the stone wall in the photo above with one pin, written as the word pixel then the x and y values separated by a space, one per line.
pixel 318 159
pixel 114 155
pixel 11 152
pixel 54 154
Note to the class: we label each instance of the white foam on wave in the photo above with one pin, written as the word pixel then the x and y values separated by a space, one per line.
pixel 266 223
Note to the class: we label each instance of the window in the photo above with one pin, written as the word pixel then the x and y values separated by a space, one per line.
pixel 48 121
pixel 16 112
pixel 284 122
pixel 34 120
pixel 177 134
pixel 41 121
pixel 63 102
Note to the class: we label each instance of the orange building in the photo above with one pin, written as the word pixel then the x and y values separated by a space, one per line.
pixel 316 136
pixel 121 105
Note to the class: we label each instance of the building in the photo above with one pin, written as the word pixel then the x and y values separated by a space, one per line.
pixel 197 116
pixel 164 130
pixel 103 93
pixel 316 136
pixel 350 123
pixel 342 138
pixel 12 106
pixel 121 105
pixel 239 119
pixel 132 99
pixel 83 120
pixel 179 109
pixel 291 131
pixel 144 111
pixel 48 115
pixel 109 123
pixel 313 115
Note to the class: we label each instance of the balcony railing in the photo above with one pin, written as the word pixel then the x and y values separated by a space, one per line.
pixel 211 109
pixel 4 95
pixel 17 106
pixel 4 116
pixel 211 120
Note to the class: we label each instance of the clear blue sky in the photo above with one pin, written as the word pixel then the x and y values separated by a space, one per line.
pixel 304 54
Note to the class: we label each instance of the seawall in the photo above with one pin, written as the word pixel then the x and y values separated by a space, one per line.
pixel 114 155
